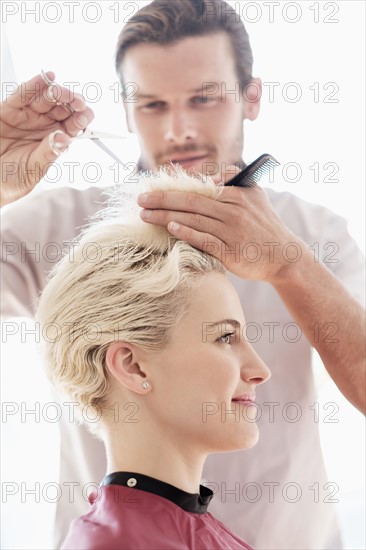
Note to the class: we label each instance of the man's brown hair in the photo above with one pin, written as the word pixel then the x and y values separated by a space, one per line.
pixel 167 21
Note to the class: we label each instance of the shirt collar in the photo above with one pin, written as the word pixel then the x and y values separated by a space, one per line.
pixel 190 502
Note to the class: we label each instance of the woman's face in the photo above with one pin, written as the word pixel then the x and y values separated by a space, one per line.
pixel 203 381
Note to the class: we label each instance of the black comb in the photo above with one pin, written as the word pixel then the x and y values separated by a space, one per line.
pixel 250 176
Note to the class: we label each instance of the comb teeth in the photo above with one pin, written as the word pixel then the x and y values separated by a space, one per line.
pixel 260 167
pixel 252 174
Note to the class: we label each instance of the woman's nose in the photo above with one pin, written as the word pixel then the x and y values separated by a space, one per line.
pixel 255 370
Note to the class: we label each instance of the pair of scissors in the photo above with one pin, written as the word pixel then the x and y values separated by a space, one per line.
pixel 96 138
pixel 94 135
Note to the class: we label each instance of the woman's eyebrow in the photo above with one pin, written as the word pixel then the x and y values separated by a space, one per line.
pixel 233 322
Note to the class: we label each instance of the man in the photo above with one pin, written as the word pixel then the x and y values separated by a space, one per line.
pixel 178 54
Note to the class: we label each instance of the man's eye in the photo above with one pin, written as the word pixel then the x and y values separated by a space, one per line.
pixel 153 105
pixel 226 338
pixel 201 99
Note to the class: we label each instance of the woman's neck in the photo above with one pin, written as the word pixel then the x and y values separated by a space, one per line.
pixel 156 455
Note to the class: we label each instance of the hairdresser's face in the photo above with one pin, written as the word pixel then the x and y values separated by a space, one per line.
pixel 203 368
pixel 179 103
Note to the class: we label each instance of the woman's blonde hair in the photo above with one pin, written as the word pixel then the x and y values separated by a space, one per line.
pixel 125 280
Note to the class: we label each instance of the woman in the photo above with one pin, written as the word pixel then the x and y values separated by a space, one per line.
pixel 144 332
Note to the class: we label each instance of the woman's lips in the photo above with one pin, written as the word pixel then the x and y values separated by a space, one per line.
pixel 246 399
pixel 246 403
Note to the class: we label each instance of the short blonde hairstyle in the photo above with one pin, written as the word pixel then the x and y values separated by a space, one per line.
pixel 127 281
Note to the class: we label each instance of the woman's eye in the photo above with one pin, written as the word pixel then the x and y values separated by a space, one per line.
pixel 226 338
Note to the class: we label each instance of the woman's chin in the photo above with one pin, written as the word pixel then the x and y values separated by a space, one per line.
pixel 252 441
pixel 250 437
pixel 241 440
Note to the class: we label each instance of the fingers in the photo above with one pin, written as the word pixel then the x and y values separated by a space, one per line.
pixel 183 201
pixel 59 113
pixel 66 106
pixel 54 145
pixel 28 91
pixel 38 161
pixel 203 241
pixel 42 98
pixel 175 200
pixel 55 95
pixel 198 222
pixel 78 121
pixel 50 148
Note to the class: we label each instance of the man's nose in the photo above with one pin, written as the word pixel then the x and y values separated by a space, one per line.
pixel 180 127
pixel 254 370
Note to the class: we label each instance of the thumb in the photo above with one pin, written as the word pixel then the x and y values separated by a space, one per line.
pixel 49 149
pixel 54 145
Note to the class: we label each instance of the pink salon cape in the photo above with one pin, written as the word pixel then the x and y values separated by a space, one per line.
pixel 136 512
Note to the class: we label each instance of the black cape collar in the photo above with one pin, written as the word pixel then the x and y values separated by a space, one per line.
pixel 190 502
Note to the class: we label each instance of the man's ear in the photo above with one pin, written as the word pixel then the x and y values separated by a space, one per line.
pixel 252 99
pixel 122 362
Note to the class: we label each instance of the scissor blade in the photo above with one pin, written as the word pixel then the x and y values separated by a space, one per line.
pixel 95 134
pixel 106 150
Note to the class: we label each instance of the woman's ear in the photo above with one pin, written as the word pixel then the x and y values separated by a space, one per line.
pixel 122 361
pixel 252 99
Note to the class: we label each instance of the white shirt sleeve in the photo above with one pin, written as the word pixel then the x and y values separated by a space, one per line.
pixel 35 232
pixel 328 238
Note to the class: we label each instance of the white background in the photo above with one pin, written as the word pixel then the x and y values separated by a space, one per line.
pixel 301 52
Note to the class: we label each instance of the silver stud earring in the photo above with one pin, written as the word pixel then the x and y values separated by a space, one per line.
pixel 145 385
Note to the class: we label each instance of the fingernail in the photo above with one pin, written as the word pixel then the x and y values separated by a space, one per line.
pixel 57 141
pixel 173 226
pixel 82 120
pixel 143 198
pixel 50 94
pixel 46 78
pixel 146 214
